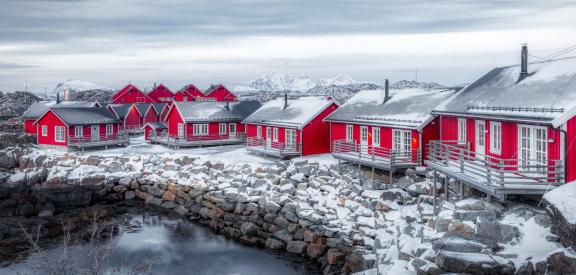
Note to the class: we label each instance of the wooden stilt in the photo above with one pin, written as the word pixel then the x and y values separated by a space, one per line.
pixel 446 194
pixel 390 177
pixel 339 166
pixel 434 192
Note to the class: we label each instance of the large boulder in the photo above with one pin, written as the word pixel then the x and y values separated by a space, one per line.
pixel 561 206
pixel 474 263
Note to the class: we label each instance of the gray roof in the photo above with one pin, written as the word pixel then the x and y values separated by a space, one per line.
pixel 81 116
pixel 159 107
pixel 120 109
pixel 142 107
pixel 406 108
pixel 40 107
pixel 157 125
pixel 547 94
pixel 299 112
pixel 192 111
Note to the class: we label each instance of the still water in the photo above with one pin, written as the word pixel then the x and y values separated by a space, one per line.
pixel 171 245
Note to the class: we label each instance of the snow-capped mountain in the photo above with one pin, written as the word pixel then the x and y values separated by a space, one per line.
pixel 341 79
pixel 78 86
pixel 282 82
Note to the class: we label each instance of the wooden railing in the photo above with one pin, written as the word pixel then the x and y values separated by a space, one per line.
pixel 493 170
pixel 377 154
pixel 133 129
pixel 96 140
pixel 200 139
pixel 280 147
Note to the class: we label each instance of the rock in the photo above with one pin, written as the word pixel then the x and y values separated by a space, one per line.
pixel 274 244
pixel 46 210
pixel 299 177
pixel 141 195
pixel 315 250
pixel 272 207
pixel 394 194
pixel 287 188
pixel 492 233
pixel 129 195
pixel 155 191
pixel 168 204
pixel 249 228
pixel 296 247
pixel 181 210
pixel 283 235
pixel 561 262
pixel 306 170
pixel 169 196
pixel 475 263
pixel 119 189
pixel 456 244
pixel 335 256
pixel 126 182
pixel 153 200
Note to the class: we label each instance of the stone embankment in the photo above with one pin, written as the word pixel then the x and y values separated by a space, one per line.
pixel 304 208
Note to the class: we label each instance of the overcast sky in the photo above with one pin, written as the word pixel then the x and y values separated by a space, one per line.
pixel 112 42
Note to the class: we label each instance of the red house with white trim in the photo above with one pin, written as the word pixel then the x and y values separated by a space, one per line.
pixel 290 127
pixel 512 131
pixel 161 93
pixel 386 129
pixel 131 94
pixel 199 123
pixel 218 93
pixel 79 128
pixel 155 130
pixel 188 93
pixel 40 107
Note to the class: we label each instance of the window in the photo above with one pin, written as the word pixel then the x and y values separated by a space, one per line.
pixel 533 148
pixel 290 139
pixel 349 132
pixel 222 128
pixel 44 130
pixel 461 130
pixel 180 129
pixel 185 98
pixel 275 135
pixel 375 137
pixel 401 142
pixel 200 129
pixel 109 129
pixel 495 137
pixel 78 131
pixel 259 132
pixel 59 133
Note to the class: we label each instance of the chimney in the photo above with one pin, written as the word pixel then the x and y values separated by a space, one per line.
pixel 57 98
pixel 154 85
pixel 285 101
pixel 227 105
pixel 523 63
pixel 386 91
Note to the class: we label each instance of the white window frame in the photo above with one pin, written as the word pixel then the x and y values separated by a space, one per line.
pixel 536 156
pixel 180 132
pixel 259 132
pixel 495 137
pixel 59 134
pixel 461 131
pixel 78 131
pixel 44 130
pixel 375 136
pixel 222 128
pixel 109 129
pixel 290 138
pixel 402 141
pixel 275 134
pixel 349 132
pixel 200 129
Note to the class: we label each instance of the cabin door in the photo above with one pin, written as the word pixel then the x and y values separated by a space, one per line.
pixel 480 140
pixel 95 132
pixel 290 139
pixel 232 130
pixel 268 137
pixel 532 148
pixel 364 139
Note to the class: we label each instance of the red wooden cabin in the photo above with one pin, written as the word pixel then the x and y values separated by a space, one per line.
pixel 188 93
pixel 161 93
pixel 198 123
pixel 218 93
pixel 39 108
pixel 72 127
pixel 155 130
pixel 290 127
pixel 131 94
pixel 386 129
pixel 512 131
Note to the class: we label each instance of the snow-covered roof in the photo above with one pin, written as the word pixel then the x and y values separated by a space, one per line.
pixel 192 111
pixel 405 107
pixel 297 114
pixel 120 109
pixel 81 116
pixel 40 107
pixel 548 93
pixel 562 198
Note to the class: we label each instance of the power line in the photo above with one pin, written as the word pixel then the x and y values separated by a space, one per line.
pixel 559 53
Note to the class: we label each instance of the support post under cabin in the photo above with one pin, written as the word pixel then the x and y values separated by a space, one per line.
pixel 446 180
pixel 434 192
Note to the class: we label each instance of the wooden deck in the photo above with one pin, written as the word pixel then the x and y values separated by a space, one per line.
pixel 197 141
pixel 273 149
pixel 377 157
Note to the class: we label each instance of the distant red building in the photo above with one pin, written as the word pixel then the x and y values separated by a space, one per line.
pixel 290 127
pixel 219 93
pixel 188 93
pixel 131 94
pixel 161 93
pixel 155 130
pixel 79 128
pixel 39 108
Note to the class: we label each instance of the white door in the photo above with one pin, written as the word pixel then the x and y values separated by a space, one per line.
pixel 268 136
pixel 180 130
pixel 480 139
pixel 401 143
pixel 95 132
pixel 290 139
pixel 532 148
pixel 232 130
pixel 364 139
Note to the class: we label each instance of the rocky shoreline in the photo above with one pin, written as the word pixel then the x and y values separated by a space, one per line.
pixel 302 208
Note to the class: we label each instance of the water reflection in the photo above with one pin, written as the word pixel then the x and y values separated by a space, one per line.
pixel 176 246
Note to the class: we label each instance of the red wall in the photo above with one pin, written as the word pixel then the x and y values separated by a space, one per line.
pixel 131 94
pixel 151 116
pixel 51 120
pixel 222 94
pixel 173 119
pixel 29 127
pixel 132 118
pixel 571 150
pixel 159 92
pixel 191 91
